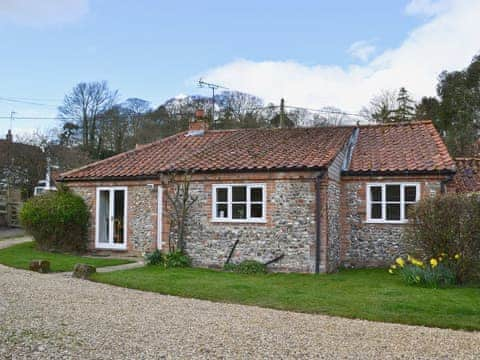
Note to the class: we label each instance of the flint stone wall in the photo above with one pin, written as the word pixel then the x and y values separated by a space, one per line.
pixel 289 230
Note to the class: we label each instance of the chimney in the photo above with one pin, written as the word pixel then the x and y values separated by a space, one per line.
pixel 9 136
pixel 198 125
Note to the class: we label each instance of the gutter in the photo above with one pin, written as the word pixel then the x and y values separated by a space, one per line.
pixel 318 213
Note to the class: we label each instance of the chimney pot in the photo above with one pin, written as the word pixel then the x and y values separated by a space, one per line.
pixel 198 125
pixel 199 114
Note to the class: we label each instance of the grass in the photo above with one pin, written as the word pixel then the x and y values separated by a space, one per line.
pixel 19 256
pixel 364 294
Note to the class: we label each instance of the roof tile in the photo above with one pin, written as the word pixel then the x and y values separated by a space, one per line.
pixel 400 147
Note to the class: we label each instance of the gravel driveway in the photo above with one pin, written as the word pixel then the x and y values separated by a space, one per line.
pixel 54 316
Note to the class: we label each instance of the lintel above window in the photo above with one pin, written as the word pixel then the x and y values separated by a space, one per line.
pixel 390 202
pixel 238 203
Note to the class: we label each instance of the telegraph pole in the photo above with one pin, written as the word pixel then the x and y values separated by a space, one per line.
pixel 12 113
pixel 282 113
pixel 213 87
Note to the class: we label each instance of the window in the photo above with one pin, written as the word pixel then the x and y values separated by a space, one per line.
pixel 239 203
pixel 391 202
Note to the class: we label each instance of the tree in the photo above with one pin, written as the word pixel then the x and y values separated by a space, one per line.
pixel 459 110
pixel 330 116
pixel 82 107
pixel 405 106
pixel 135 109
pixel 428 109
pixel 382 108
pixel 180 202
pixel 22 165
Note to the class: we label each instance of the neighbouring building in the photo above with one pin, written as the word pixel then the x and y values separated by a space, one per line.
pixel 321 197
pixel 20 166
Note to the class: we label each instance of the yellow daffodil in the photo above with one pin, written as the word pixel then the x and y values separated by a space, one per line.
pixel 416 262
pixel 457 256
pixel 433 262
pixel 390 271
pixel 393 266
pixel 440 258
pixel 400 262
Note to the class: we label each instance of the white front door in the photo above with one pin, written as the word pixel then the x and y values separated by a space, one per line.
pixel 111 224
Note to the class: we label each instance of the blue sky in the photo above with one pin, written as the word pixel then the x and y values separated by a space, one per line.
pixel 315 53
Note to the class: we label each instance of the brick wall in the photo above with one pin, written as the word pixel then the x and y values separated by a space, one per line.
pixel 141 213
pixel 289 228
pixel 367 244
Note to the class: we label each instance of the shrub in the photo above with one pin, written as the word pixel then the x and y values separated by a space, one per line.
pixel 448 224
pixel 177 259
pixel 154 258
pixel 229 267
pixel 57 221
pixel 438 272
pixel 247 267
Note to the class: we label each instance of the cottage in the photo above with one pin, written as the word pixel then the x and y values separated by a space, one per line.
pixel 321 197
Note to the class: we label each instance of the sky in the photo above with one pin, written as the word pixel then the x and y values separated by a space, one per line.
pixel 313 53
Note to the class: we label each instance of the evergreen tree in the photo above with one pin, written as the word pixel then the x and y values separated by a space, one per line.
pixel 405 106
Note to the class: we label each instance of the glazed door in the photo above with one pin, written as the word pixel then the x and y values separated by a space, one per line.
pixel 111 218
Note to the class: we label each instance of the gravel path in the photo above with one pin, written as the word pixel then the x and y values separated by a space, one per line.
pixel 55 316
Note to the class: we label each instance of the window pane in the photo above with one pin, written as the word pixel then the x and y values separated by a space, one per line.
pixel 119 210
pixel 393 192
pixel 104 217
pixel 256 210
pixel 239 211
pixel 376 193
pixel 256 194
pixel 376 211
pixel 239 193
pixel 393 211
pixel 410 193
pixel 222 195
pixel 222 211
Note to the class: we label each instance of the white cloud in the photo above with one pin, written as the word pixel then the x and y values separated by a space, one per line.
pixel 362 50
pixel 42 12
pixel 447 41
pixel 427 7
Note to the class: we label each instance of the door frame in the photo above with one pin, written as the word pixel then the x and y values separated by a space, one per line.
pixel 159 216
pixel 110 245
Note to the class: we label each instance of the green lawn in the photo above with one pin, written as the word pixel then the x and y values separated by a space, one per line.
pixel 19 256
pixel 364 294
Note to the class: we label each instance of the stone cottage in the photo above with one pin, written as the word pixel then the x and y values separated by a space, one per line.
pixel 316 197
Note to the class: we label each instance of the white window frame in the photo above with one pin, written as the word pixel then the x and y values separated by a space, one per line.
pixel 159 217
pixel 110 245
pixel 402 202
pixel 229 202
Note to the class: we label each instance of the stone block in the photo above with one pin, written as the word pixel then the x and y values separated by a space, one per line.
pixel 41 266
pixel 83 271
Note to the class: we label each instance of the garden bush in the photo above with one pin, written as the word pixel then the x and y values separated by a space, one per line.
pixel 247 267
pixel 154 258
pixel 448 224
pixel 57 220
pixel 177 259
pixel 174 259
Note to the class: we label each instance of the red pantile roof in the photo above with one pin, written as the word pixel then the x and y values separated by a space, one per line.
pixel 398 148
pixel 229 150
pixel 467 178
pixel 413 147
